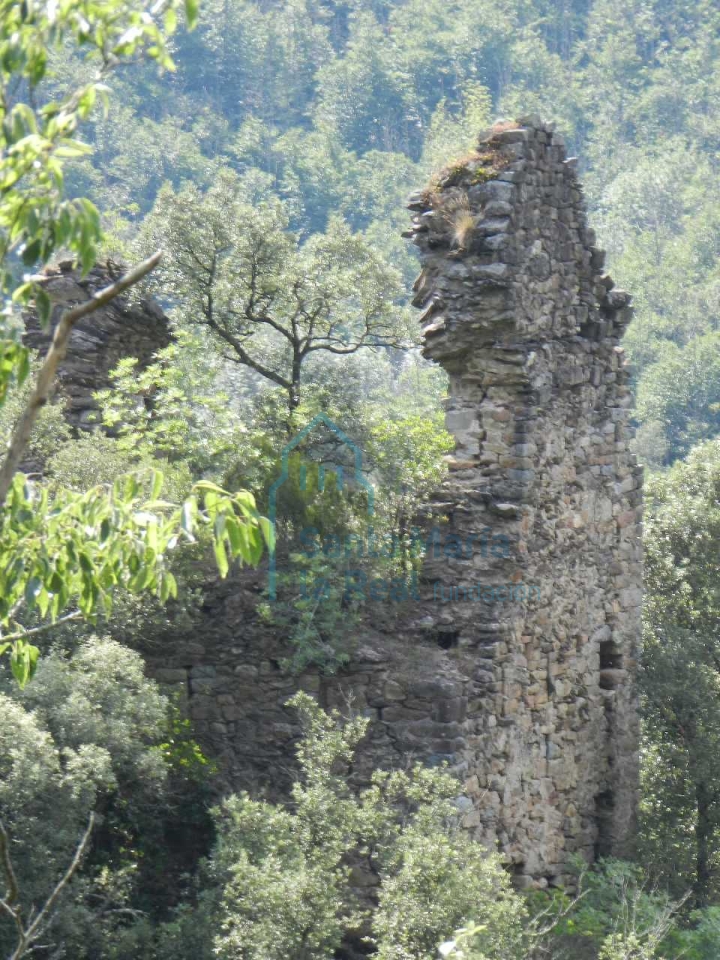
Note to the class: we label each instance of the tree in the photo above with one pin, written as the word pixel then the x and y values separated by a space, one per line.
pixel 681 391
pixel 83 739
pixel 192 418
pixel 29 931
pixel 681 676
pixel 64 554
pixel 363 96
pixel 269 302
pixel 286 872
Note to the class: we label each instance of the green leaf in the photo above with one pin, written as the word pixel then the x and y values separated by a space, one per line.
pixel 268 532
pixel 170 20
pixel 43 306
pixel 72 148
pixel 23 661
pixel 221 558
pixel 31 251
pixel 192 8
pixel 157 483
pixel 32 591
pixel 237 537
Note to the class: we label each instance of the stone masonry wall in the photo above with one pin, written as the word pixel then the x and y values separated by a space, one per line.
pixel 125 328
pixel 516 663
pixel 518 311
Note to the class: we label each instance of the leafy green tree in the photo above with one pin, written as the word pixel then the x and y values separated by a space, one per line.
pixel 64 554
pixel 612 914
pixel 68 552
pixel 50 432
pixel 681 676
pixel 84 738
pixel 176 410
pixel 267 301
pixel 681 391
pixel 407 449
pixel 35 218
pixel 133 155
pixel 288 872
pixel 363 96
pixel 251 61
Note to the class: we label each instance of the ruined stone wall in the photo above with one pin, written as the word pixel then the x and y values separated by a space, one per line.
pixel 518 311
pixel 124 328
pixel 516 665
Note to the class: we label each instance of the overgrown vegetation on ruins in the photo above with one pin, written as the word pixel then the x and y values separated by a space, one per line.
pixel 271 158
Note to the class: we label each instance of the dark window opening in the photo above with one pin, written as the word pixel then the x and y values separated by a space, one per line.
pixel 611 662
pixel 604 807
pixel 447 639
pixel 610 656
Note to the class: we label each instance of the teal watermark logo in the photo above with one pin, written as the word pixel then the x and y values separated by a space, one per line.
pixel 350 566
pixel 358 477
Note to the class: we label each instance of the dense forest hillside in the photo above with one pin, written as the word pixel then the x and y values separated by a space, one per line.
pixel 338 111
pixel 271 157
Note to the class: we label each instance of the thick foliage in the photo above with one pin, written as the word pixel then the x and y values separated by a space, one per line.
pixel 89 734
pixel 294 876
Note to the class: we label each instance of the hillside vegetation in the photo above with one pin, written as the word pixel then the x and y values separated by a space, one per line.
pixel 270 157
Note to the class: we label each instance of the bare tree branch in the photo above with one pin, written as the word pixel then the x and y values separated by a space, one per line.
pixel 262 318
pixel 12 893
pixel 45 911
pixel 43 628
pixel 11 902
pixel 244 357
pixel 53 358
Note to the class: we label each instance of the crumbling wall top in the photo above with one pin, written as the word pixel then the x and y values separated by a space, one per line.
pixel 524 265
pixel 124 328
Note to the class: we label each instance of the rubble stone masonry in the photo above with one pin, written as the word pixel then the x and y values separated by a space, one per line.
pixel 517 662
pixel 518 311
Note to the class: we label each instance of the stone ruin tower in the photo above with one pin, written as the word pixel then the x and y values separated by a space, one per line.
pixel 517 665
pixel 518 311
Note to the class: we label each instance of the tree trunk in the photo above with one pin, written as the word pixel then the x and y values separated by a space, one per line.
pixel 294 391
pixel 703 843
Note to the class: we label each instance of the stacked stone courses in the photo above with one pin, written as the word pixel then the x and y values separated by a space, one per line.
pixel 528 692
pixel 518 311
pixel 124 328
